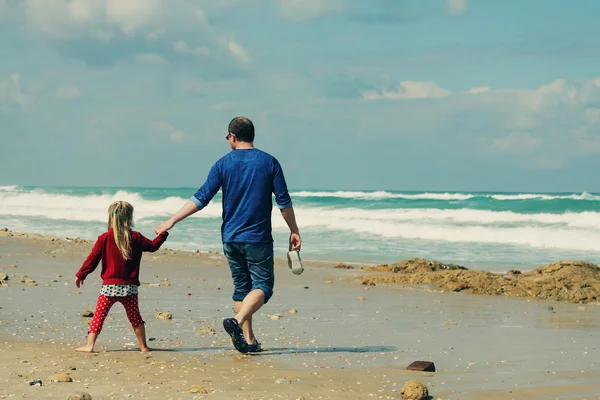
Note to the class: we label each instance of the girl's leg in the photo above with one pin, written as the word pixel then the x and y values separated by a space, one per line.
pixel 103 306
pixel 133 314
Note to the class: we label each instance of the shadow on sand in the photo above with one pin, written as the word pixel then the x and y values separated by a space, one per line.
pixel 271 351
pixel 292 350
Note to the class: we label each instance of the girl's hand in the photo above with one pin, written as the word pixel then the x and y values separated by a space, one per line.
pixel 78 282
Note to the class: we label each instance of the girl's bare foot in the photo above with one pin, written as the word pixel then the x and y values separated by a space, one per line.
pixel 85 349
pixel 145 350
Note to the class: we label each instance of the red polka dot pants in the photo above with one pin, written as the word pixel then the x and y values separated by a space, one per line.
pixel 104 304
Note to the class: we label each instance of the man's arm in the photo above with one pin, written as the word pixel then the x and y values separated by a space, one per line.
pixel 188 209
pixel 197 202
pixel 290 218
pixel 284 202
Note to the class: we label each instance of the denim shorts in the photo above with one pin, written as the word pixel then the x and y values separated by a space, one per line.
pixel 251 267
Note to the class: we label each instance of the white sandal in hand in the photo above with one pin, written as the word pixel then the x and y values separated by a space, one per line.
pixel 294 262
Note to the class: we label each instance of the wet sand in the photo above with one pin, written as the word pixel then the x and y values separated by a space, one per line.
pixel 346 340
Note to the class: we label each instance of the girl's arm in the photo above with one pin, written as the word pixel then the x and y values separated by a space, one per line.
pixel 153 245
pixel 91 262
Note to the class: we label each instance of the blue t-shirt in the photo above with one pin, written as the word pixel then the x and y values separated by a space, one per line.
pixel 248 178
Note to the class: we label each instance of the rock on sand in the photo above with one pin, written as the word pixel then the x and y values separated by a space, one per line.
pixel 414 390
pixel 80 396
pixel 164 315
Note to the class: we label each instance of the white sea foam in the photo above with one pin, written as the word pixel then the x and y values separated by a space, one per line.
pixel 569 230
pixel 90 207
pixel 382 195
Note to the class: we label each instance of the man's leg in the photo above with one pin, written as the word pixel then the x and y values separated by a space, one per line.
pixel 244 309
pixel 259 257
pixel 242 283
pixel 246 325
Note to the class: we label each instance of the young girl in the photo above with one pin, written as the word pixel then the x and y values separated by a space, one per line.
pixel 120 250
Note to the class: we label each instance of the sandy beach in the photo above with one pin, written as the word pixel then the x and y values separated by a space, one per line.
pixel 326 335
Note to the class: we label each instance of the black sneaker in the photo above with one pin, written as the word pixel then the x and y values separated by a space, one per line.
pixel 255 348
pixel 237 335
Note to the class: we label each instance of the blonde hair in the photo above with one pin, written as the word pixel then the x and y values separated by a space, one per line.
pixel 120 219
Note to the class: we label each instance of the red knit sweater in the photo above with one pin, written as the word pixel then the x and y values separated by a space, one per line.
pixel 115 269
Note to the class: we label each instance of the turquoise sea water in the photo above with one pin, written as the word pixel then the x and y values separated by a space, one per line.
pixel 495 231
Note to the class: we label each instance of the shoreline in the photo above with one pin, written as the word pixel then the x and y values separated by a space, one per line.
pixel 6 232
pixel 325 335
pixel 568 281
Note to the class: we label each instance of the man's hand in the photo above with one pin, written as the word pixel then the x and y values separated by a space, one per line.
pixel 295 241
pixel 165 226
pixel 78 282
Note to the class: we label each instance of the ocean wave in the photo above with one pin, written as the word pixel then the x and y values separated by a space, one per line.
pixel 90 207
pixel 569 230
pixel 382 195
pixel 378 195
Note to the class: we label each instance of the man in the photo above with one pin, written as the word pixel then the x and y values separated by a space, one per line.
pixel 248 177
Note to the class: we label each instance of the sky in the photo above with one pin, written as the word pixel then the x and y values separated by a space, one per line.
pixel 346 94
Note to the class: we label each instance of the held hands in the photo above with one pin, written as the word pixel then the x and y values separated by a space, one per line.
pixel 78 282
pixel 295 241
pixel 163 227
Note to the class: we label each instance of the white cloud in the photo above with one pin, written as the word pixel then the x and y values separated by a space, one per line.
pixel 68 93
pixel 96 18
pixel 479 90
pixel 410 90
pixel 517 143
pixel 173 134
pixel 11 91
pixel 150 58
pixel 174 24
pixel 135 15
pixel 183 48
pixel 302 10
pixel 239 51
pixel 458 7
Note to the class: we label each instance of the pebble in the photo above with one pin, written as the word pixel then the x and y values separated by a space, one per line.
pixel 61 378
pixel 283 381
pixel 207 330
pixel 14 266
pixel 3 277
pixel 164 315
pixel 80 396
pixel 75 292
pixel 59 276
pixel 361 298
pixel 87 313
pixel 449 323
pixel 293 311
pixel 198 389
pixel 414 390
